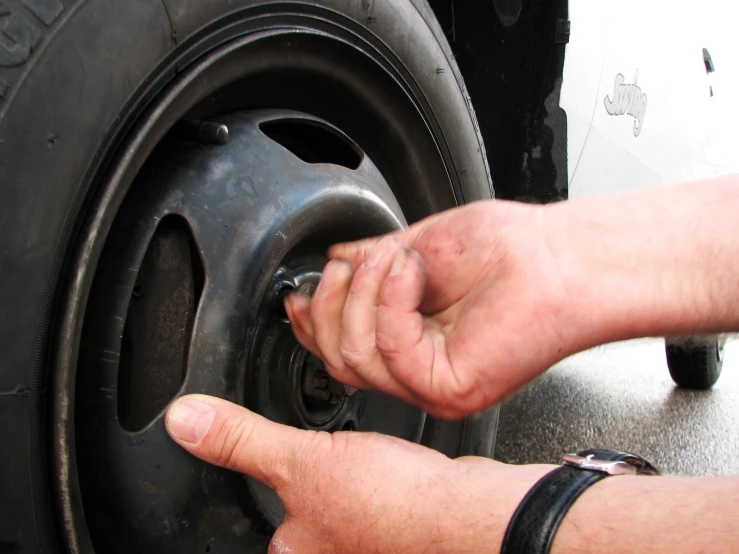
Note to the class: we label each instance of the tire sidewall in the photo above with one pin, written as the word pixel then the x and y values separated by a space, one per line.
pixel 694 366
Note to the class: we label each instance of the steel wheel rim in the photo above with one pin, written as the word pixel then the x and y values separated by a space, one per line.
pixel 149 131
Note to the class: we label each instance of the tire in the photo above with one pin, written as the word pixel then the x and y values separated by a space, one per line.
pixel 76 80
pixel 695 366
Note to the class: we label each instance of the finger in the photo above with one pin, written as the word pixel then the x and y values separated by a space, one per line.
pixel 298 312
pixel 326 310
pixel 403 338
pixel 414 348
pixel 231 436
pixel 297 307
pixel 356 253
pixel 418 351
pixel 353 252
pixel 358 341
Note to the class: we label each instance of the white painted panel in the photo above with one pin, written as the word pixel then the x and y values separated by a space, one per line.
pixel 685 133
pixel 581 77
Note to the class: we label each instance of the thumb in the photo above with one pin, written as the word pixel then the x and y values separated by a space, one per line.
pixel 230 436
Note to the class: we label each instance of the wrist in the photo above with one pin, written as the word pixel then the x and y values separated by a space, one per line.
pixel 595 258
pixel 580 529
pixel 496 490
pixel 635 270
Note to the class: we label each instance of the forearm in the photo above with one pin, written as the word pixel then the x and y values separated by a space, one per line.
pixel 653 514
pixel 618 514
pixel 654 263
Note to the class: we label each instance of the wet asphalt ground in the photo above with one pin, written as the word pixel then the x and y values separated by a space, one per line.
pixel 621 396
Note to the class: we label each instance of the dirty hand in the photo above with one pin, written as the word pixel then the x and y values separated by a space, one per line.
pixel 357 492
pixel 451 314
pixel 464 307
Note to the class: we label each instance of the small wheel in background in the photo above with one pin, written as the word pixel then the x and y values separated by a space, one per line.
pixel 695 366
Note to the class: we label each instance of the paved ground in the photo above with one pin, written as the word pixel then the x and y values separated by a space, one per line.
pixel 621 396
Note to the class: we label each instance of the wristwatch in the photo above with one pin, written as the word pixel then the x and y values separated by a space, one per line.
pixel 535 521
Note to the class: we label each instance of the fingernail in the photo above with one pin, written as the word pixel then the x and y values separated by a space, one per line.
pixel 189 420
pixel 398 263
pixel 339 270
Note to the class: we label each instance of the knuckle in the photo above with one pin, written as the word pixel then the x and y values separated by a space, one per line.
pixel 398 333
pixel 388 344
pixel 364 282
pixel 460 394
pixel 356 357
pixel 339 448
pixel 346 376
pixel 316 447
pixel 337 371
pixel 231 441
pixel 333 363
pixel 307 459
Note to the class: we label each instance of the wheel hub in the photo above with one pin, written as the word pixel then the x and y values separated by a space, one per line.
pixel 318 387
pixel 300 391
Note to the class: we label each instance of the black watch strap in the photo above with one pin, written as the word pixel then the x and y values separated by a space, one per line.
pixel 535 521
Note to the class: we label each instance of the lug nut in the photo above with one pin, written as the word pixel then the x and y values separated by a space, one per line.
pixel 307 288
pixel 205 132
pixel 340 389
pixel 319 386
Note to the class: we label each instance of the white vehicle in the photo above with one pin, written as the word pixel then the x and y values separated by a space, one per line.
pixel 649 91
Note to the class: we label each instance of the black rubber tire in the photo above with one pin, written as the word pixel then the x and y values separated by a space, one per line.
pixel 69 72
pixel 696 366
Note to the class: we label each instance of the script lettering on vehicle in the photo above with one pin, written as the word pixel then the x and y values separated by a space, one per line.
pixel 628 99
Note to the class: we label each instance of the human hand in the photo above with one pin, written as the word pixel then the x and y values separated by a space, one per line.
pixel 451 314
pixel 357 492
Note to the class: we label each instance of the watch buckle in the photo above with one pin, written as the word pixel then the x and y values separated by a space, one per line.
pixel 594 464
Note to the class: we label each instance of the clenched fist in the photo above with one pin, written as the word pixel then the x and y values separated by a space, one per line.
pixel 450 315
